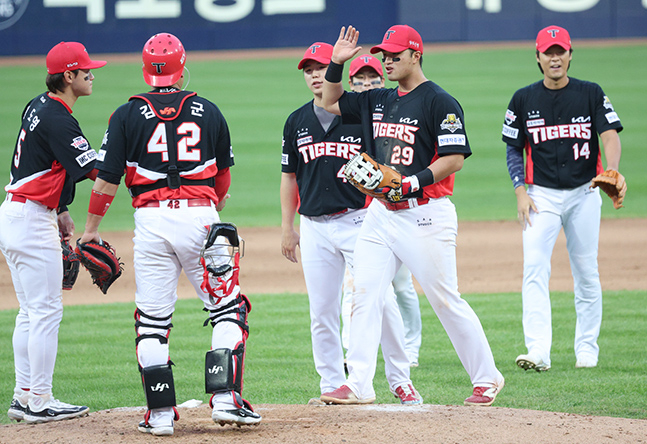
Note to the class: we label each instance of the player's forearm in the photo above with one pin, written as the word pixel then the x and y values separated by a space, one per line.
pixel 331 93
pixel 446 165
pixel 222 183
pixel 514 159
pixel 289 200
pixel 100 199
pixel 612 148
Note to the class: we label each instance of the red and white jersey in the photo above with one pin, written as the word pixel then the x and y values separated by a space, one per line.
pixel 135 143
pixel 51 153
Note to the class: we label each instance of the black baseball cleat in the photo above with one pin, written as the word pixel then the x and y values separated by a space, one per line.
pixel 49 409
pixel 16 410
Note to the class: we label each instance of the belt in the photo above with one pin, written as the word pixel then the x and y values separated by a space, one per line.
pixel 189 202
pixel 409 203
pixel 19 199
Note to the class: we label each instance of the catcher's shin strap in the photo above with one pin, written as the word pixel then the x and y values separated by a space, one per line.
pixel 136 190
pixel 406 204
pixel 162 325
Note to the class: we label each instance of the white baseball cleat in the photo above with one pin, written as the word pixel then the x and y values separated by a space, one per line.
pixel 586 362
pixel 144 427
pixel 240 417
pixel 529 362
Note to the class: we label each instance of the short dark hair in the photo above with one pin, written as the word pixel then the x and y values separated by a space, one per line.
pixel 56 82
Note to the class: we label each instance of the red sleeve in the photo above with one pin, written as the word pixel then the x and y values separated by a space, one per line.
pixel 223 180
pixel 92 174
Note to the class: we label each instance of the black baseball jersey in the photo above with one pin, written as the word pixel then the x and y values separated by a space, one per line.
pixel 559 131
pixel 411 131
pixel 51 153
pixel 318 157
pixel 136 143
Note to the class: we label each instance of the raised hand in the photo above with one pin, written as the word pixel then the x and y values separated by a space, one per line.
pixel 346 46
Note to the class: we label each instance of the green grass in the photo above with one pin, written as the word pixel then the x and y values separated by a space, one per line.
pixel 256 96
pixel 97 366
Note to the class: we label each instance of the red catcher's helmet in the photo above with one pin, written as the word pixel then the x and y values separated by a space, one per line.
pixel 164 59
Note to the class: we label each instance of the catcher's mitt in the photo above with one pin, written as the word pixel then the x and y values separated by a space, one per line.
pixel 613 184
pixel 373 178
pixel 70 265
pixel 101 262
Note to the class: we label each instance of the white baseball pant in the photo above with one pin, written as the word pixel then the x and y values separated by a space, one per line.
pixel 578 211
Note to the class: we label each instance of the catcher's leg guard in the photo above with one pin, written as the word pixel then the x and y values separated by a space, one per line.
pixel 159 386
pixel 219 371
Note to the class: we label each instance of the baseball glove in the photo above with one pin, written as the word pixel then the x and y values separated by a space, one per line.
pixel 70 265
pixel 101 262
pixel 373 178
pixel 613 184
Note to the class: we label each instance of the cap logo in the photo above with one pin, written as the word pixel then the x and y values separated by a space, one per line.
pixel 388 34
pixel 69 65
pixel 414 43
pixel 365 59
pixel 553 32
pixel 158 66
pixel 313 48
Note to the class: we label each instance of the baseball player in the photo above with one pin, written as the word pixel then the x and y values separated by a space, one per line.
pixel 418 129
pixel 175 149
pixel 366 73
pixel 316 146
pixel 556 121
pixel 50 156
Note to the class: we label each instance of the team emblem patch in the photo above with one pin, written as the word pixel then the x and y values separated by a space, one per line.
pixel 509 117
pixel 80 143
pixel 607 103
pixel 451 123
pixel 284 159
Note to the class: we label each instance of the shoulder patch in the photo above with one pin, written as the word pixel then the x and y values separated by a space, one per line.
pixel 80 143
pixel 451 123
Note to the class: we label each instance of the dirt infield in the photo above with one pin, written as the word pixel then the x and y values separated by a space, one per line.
pixel 489 260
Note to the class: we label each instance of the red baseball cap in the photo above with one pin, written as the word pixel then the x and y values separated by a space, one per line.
pixel 398 38
pixel 553 35
pixel 68 56
pixel 319 52
pixel 363 61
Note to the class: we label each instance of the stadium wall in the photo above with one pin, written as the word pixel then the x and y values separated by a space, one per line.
pixel 30 27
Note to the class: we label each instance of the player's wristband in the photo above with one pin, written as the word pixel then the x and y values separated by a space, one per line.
pixel 99 203
pixel 425 177
pixel 335 72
